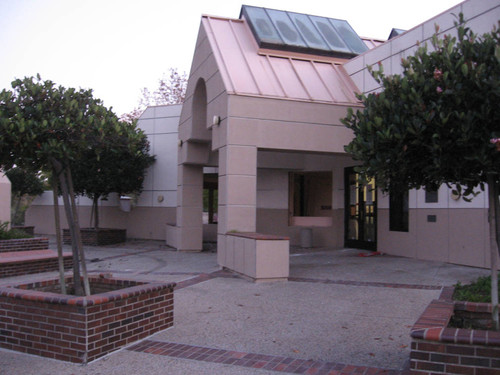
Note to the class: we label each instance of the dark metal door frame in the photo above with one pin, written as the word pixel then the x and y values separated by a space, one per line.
pixel 358 214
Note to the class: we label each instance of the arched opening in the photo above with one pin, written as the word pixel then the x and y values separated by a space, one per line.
pixel 199 130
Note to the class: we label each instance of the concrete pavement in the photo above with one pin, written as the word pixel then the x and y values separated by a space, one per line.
pixel 340 312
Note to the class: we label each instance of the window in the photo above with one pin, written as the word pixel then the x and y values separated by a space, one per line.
pixel 398 211
pixel 431 196
pixel 310 194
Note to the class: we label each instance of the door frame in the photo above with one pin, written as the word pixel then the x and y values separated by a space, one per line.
pixel 357 243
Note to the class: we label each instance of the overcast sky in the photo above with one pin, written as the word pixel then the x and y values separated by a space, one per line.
pixel 116 47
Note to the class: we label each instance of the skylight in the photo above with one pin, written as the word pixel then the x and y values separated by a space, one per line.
pixel 277 29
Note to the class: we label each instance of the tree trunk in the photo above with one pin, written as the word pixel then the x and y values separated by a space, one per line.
pixel 71 223
pixel 95 209
pixel 57 218
pixel 14 218
pixel 83 263
pixel 494 219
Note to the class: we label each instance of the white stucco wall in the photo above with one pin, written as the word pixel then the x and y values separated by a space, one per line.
pixel 154 207
pixel 5 197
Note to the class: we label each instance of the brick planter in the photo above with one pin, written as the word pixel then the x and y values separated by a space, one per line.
pixel 24 244
pixel 439 349
pixel 35 319
pixel 98 237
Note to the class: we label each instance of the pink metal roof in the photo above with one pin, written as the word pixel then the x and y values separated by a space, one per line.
pixel 246 70
pixel 372 43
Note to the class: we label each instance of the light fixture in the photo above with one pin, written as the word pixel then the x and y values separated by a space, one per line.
pixel 216 120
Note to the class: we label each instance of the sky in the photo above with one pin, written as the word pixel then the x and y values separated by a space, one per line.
pixel 117 47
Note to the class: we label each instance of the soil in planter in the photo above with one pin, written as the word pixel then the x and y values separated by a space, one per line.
pixel 459 321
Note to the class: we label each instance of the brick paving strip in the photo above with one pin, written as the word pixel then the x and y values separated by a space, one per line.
pixel 366 283
pixel 269 362
pixel 255 361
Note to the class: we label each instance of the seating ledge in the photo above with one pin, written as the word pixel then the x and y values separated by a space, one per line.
pixel 258 236
pixel 29 255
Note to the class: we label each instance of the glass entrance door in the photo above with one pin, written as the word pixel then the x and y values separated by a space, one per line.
pixel 360 212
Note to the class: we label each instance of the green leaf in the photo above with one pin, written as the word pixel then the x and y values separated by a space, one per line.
pixel 465 69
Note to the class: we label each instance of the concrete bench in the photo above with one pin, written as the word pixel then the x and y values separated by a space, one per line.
pixel 15 263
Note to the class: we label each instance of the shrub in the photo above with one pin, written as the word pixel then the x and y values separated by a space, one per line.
pixel 477 291
pixel 11 234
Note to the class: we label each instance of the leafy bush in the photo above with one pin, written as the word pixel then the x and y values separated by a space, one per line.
pixel 11 234
pixel 477 291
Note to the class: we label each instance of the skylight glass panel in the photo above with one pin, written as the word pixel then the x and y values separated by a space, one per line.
pixel 303 33
pixel 262 25
pixel 349 36
pixel 308 31
pixel 329 33
pixel 286 28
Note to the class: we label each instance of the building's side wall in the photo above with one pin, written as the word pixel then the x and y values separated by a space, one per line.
pixel 5 197
pixel 152 209
pixel 273 195
pixel 460 232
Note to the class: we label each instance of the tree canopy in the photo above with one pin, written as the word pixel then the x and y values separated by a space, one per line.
pixel 25 184
pixel 433 123
pixel 119 167
pixel 47 127
pixel 438 123
pixel 170 90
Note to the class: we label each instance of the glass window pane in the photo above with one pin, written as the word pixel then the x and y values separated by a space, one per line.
pixel 308 31
pixel 286 28
pixel 349 36
pixel 431 196
pixel 262 25
pixel 330 34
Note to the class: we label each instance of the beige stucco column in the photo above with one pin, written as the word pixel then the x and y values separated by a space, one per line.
pixel 190 208
pixel 5 196
pixel 237 193
pixel 237 188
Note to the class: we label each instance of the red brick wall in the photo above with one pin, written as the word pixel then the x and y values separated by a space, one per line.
pixel 24 244
pixel 437 349
pixel 33 266
pixel 81 329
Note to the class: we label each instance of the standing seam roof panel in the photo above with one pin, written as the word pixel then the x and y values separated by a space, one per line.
pixel 234 57
pixel 312 81
pixel 289 80
pixel 223 69
pixel 246 70
pixel 262 75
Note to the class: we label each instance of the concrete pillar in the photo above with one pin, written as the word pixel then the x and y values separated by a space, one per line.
pixel 237 210
pixel 5 197
pixel 189 208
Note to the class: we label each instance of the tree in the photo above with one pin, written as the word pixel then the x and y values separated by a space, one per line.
pixel 118 168
pixel 437 123
pixel 24 183
pixel 46 127
pixel 171 90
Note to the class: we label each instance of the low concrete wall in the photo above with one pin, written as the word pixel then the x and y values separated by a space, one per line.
pixel 140 222
pixel 258 256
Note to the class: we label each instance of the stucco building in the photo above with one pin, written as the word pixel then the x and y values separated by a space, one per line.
pixel 254 159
